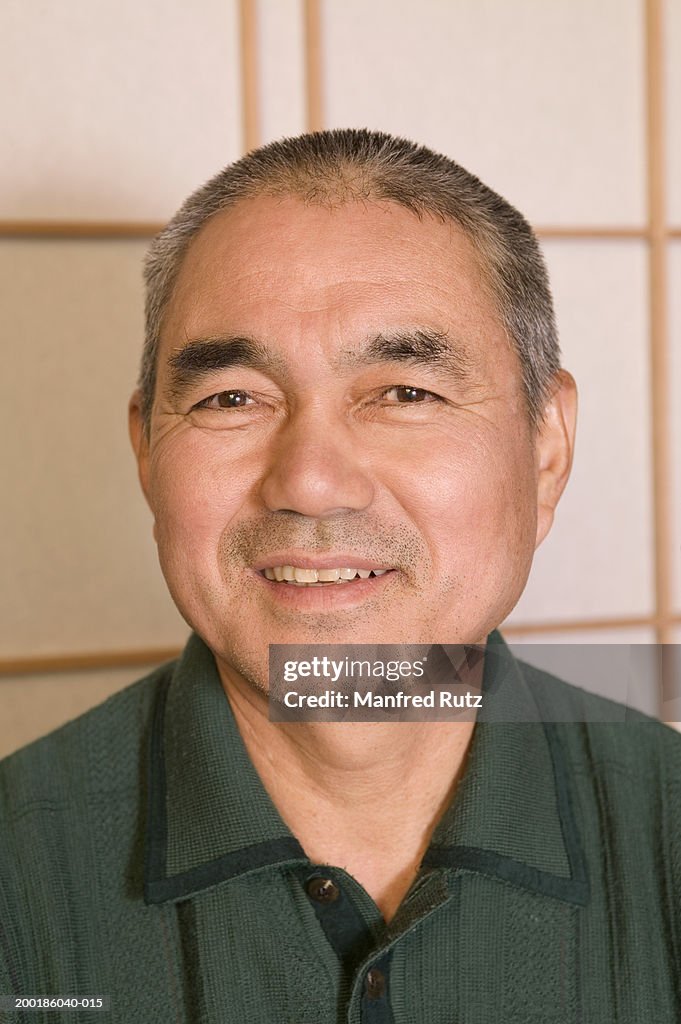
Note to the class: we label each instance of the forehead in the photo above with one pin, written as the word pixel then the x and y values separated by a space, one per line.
pixel 279 267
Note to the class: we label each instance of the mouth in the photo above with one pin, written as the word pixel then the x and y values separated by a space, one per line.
pixel 321 576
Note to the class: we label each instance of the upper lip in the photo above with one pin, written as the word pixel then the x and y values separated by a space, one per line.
pixel 306 560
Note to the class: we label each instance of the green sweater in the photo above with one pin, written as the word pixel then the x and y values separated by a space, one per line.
pixel 142 859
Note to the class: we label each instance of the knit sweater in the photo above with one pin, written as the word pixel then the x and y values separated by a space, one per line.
pixel 141 859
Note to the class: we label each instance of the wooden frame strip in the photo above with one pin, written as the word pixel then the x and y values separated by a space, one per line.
pixel 250 98
pixel 147 229
pixel 75 229
pixel 313 66
pixel 95 661
pixel 596 232
pixel 579 625
pixel 659 358
pixel 59 663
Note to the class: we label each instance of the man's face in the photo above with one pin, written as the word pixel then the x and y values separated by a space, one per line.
pixel 335 392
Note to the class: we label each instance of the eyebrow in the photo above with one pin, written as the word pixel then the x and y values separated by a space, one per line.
pixel 416 347
pixel 199 358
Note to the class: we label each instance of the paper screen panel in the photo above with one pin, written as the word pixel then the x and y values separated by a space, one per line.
pixel 115 110
pixel 543 101
pixel 597 560
pixel 281 68
pixel 79 563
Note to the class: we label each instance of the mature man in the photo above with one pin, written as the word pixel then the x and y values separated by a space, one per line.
pixel 352 428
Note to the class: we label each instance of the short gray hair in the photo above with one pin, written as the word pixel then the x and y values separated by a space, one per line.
pixel 332 167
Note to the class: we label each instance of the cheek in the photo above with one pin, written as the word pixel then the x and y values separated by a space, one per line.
pixel 472 501
pixel 193 496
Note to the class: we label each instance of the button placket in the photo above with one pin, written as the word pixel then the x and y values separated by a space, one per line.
pixel 374 983
pixel 359 945
pixel 375 1004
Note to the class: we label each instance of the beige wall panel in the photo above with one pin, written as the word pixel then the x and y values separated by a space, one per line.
pixel 32 706
pixel 674 271
pixel 673 101
pixel 597 560
pixel 281 68
pixel 79 564
pixel 622 679
pixel 115 109
pixel 544 101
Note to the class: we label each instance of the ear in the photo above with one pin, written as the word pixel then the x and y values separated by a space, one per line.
pixel 140 440
pixel 555 443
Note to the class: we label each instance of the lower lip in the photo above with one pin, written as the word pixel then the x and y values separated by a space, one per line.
pixel 331 596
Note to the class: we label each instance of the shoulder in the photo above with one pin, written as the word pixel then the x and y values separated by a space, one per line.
pixel 621 771
pixel 99 749
pixel 598 734
pixel 69 801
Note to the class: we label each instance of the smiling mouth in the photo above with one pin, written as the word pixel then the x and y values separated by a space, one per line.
pixel 298 577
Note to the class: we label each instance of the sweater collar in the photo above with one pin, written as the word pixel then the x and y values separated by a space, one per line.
pixel 211 820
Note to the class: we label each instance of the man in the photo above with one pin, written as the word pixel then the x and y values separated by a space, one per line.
pixel 351 428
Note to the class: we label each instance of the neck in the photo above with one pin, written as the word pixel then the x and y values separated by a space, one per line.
pixel 364 796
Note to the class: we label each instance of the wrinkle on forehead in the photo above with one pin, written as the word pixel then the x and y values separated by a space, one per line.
pixel 244 239
pixel 276 268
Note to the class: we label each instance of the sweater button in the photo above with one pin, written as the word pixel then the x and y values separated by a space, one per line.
pixel 323 890
pixel 375 983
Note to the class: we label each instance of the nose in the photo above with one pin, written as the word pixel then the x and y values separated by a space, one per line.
pixel 316 468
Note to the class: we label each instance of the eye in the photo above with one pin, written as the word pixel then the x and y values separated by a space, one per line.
pixel 405 394
pixel 226 400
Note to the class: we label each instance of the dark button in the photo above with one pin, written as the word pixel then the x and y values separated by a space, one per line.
pixel 375 983
pixel 323 890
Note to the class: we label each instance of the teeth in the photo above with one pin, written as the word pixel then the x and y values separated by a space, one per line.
pixel 328 575
pixel 317 577
pixel 305 575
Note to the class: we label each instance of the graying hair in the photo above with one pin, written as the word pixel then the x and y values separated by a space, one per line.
pixel 333 167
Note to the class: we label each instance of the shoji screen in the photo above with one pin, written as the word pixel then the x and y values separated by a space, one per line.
pixel 115 111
